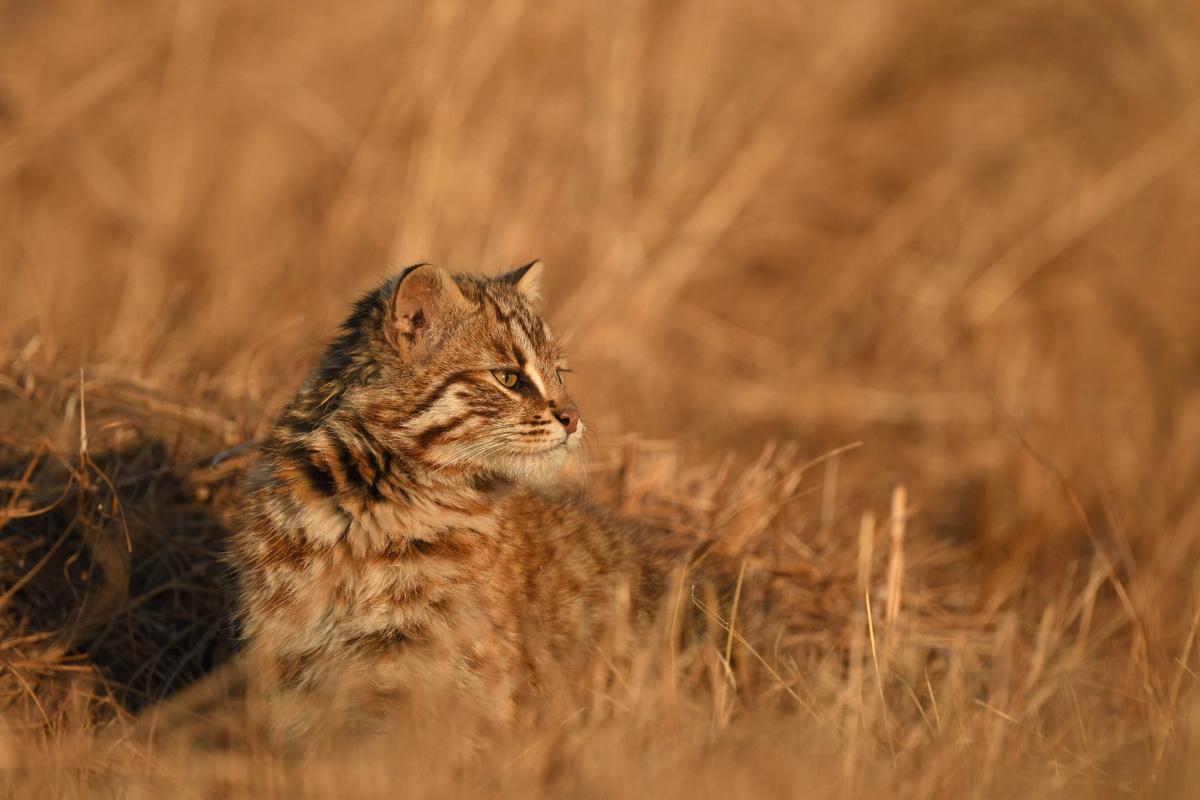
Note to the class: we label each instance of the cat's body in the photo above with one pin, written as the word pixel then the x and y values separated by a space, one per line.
pixel 395 544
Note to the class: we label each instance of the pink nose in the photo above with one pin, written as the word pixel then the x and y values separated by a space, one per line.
pixel 569 417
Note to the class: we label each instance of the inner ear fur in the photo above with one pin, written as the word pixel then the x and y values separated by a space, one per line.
pixel 425 303
pixel 527 280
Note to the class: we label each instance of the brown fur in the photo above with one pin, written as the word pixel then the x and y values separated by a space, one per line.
pixel 395 546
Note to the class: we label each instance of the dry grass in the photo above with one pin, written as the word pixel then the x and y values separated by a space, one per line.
pixel 959 237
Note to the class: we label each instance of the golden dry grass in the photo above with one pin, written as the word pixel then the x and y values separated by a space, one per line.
pixel 960 237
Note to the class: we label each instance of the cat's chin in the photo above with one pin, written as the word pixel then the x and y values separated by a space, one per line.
pixel 530 469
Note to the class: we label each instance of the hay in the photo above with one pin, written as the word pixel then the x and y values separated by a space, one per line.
pixel 917 245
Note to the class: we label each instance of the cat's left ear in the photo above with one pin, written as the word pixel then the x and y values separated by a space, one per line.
pixel 527 280
pixel 425 304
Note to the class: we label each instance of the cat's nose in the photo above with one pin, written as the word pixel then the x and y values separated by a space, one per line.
pixel 569 417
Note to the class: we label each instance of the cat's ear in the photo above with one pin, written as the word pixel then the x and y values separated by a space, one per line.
pixel 425 304
pixel 527 280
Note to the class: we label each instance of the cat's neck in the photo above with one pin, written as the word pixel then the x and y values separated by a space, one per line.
pixel 357 486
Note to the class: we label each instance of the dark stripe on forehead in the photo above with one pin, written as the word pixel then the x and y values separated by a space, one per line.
pixel 535 331
pixel 502 316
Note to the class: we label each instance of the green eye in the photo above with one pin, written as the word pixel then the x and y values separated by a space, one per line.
pixel 507 377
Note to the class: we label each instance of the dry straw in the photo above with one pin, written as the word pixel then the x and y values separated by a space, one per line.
pixel 887 308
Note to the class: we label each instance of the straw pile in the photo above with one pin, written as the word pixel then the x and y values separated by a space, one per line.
pixel 891 302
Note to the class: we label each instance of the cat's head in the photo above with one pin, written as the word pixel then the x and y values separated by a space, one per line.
pixel 484 389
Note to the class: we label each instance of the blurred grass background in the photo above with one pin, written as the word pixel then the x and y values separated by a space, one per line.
pixel 962 234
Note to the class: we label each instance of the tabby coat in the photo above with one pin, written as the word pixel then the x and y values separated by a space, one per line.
pixel 394 545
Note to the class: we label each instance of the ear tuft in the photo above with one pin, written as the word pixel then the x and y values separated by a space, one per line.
pixel 425 303
pixel 527 280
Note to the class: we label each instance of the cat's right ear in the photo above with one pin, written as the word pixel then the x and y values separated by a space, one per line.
pixel 527 280
pixel 425 303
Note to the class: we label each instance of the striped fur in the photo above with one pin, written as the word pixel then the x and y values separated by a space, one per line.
pixel 394 541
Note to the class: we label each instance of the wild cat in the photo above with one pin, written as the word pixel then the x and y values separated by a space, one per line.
pixel 396 545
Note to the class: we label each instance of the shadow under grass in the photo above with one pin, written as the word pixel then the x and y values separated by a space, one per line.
pixel 114 591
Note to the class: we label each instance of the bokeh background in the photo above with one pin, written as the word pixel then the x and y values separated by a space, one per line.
pixel 965 235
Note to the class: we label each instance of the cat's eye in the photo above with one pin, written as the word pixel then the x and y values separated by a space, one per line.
pixel 507 377
pixel 559 373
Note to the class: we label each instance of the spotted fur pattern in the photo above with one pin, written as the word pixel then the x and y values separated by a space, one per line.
pixel 396 541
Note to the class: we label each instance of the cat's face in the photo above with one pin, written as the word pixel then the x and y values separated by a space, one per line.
pixel 489 396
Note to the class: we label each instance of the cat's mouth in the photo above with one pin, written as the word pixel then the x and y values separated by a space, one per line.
pixel 552 450
pixel 567 441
